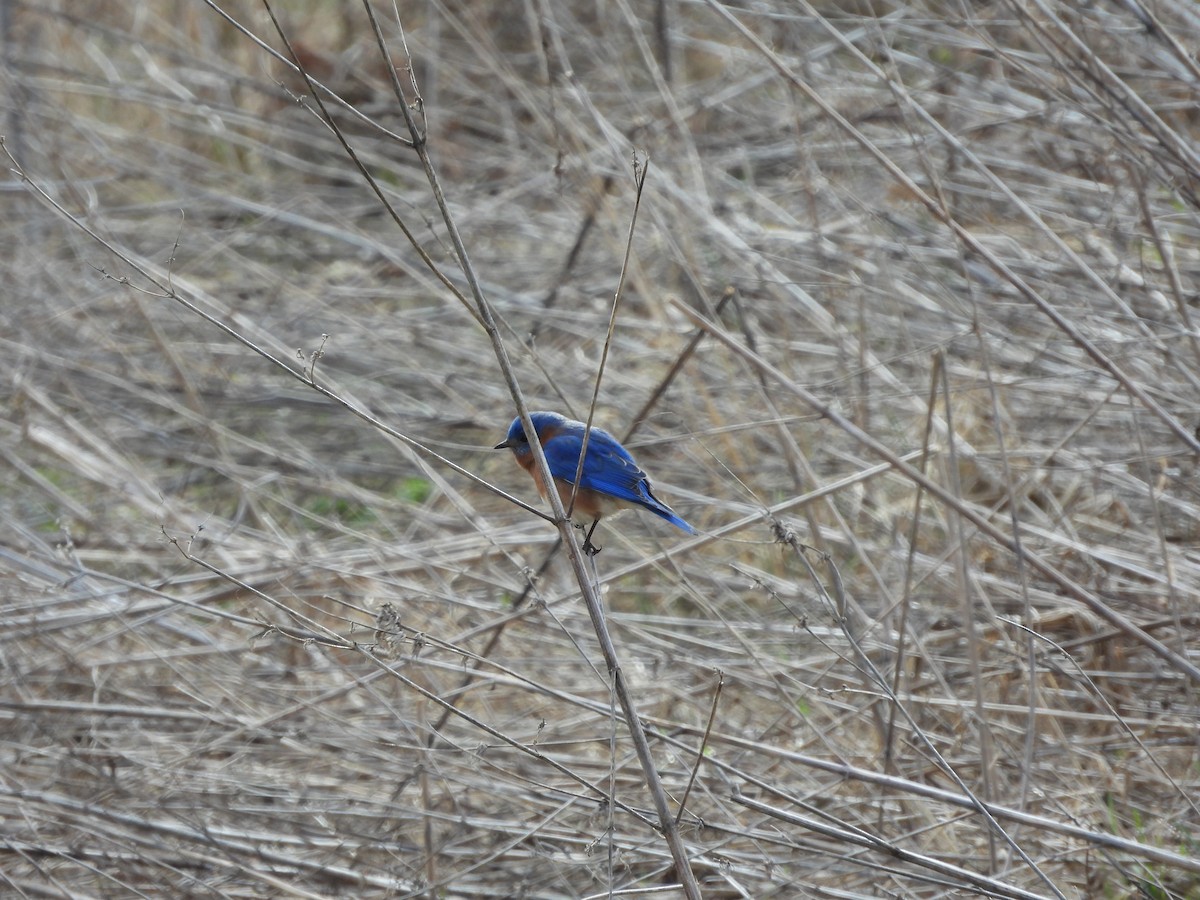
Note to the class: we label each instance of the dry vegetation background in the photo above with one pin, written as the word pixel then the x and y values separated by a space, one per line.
pixel 253 645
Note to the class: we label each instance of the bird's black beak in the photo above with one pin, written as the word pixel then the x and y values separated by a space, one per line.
pixel 503 445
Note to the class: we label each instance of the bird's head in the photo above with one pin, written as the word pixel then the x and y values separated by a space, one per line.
pixel 543 423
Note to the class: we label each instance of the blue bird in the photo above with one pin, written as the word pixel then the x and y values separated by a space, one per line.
pixel 610 480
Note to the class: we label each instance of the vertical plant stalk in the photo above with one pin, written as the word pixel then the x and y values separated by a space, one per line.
pixel 589 589
pixel 639 178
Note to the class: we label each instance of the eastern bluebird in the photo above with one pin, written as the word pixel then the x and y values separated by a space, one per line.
pixel 610 479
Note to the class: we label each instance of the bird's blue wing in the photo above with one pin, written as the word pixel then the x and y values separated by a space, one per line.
pixel 608 469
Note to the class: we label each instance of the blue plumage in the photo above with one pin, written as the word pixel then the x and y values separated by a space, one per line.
pixel 610 477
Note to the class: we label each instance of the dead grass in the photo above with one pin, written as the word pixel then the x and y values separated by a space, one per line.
pixel 254 646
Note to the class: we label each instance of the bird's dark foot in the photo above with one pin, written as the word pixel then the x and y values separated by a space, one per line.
pixel 588 547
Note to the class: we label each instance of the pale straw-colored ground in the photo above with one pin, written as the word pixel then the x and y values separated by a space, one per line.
pixel 911 301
